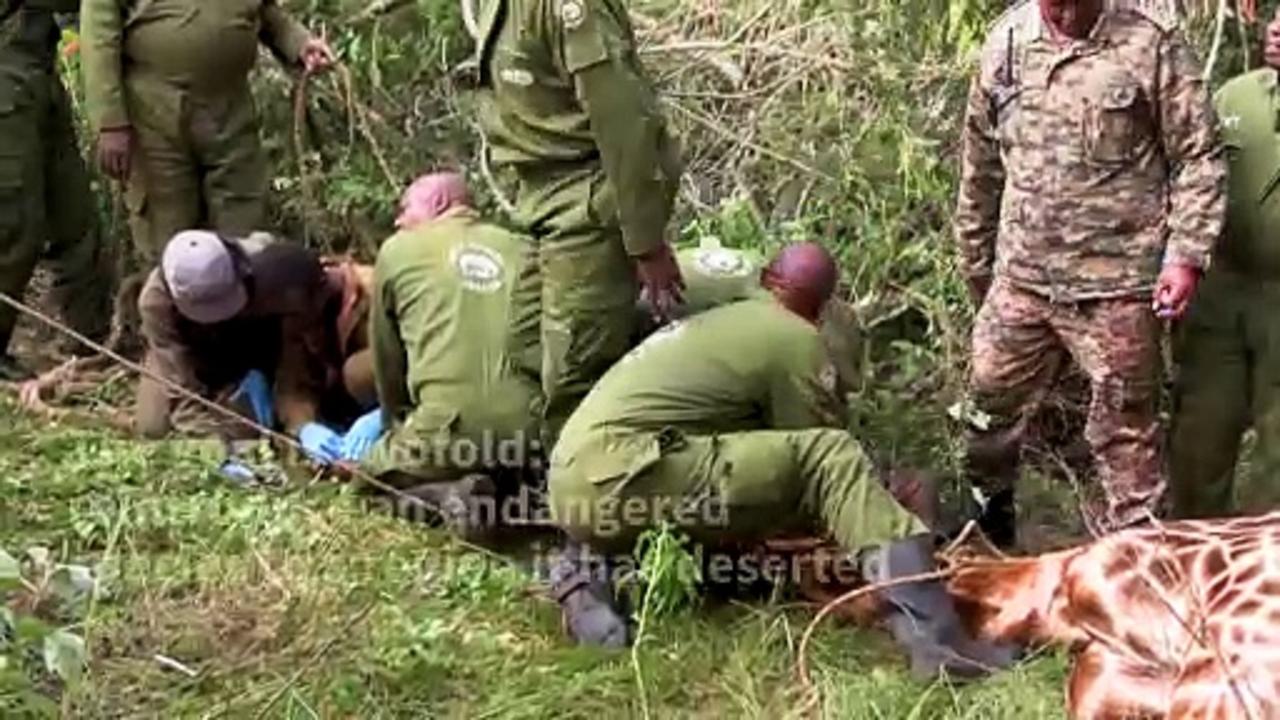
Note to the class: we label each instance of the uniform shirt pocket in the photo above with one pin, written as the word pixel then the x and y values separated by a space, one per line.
pixel 1006 102
pixel 1113 126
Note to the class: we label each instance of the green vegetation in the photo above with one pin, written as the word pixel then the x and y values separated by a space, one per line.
pixel 209 601
pixel 187 597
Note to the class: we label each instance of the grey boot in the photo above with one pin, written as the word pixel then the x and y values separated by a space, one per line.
pixel 588 608
pixel 923 619
pixel 464 507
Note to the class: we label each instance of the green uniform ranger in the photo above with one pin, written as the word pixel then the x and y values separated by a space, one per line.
pixel 45 199
pixel 569 107
pixel 713 275
pixel 726 424
pixel 173 79
pixel 452 396
pixel 1228 350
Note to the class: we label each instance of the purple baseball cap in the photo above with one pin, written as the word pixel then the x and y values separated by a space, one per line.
pixel 202 277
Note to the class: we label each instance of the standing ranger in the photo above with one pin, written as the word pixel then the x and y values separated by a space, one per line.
pixel 569 107
pixel 1092 185
pixel 1228 352
pixel 168 93
pixel 44 189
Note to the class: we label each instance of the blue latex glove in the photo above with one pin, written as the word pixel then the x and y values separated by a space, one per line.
pixel 322 444
pixel 258 390
pixel 362 435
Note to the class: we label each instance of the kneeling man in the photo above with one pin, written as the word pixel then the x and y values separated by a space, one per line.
pixel 727 424
pixel 455 407
pixel 256 318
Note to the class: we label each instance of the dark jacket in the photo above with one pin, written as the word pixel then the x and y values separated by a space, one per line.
pixel 282 332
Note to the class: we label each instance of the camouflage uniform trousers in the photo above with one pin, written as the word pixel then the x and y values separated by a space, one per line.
pixel 46 206
pixel 1020 341
pixel 1228 380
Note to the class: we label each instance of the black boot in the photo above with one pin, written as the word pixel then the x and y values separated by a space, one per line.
pixel 588 608
pixel 13 371
pixel 922 616
pixel 998 519
pixel 466 507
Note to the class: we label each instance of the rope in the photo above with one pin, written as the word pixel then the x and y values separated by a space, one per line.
pixel 354 471
pixel 812 695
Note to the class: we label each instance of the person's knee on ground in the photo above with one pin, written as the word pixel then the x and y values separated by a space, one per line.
pixel 358 379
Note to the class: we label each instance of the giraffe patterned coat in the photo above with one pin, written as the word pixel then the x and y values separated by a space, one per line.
pixel 1174 621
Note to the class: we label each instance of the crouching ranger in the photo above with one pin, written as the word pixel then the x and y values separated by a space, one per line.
pixel 727 425
pixel 715 275
pixel 253 319
pixel 457 411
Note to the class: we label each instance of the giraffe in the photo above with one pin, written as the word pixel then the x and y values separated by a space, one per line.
pixel 1177 620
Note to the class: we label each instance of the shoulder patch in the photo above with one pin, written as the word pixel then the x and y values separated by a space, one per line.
pixel 478 268
pixel 722 262
pixel 572 13
pixel 516 76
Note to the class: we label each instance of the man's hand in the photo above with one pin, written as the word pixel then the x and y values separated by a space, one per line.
pixel 661 286
pixel 316 55
pixel 320 443
pixel 1174 290
pixel 115 152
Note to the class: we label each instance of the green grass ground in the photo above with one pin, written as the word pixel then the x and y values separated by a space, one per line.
pixel 303 604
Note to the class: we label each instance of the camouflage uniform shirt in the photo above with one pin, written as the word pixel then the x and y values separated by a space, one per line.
pixel 1087 164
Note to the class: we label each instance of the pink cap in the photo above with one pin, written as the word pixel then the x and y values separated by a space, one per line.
pixel 202 277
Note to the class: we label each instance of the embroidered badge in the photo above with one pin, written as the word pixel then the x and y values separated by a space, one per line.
pixel 572 13
pixel 479 268
pixel 719 262
pixel 829 378
pixel 516 76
